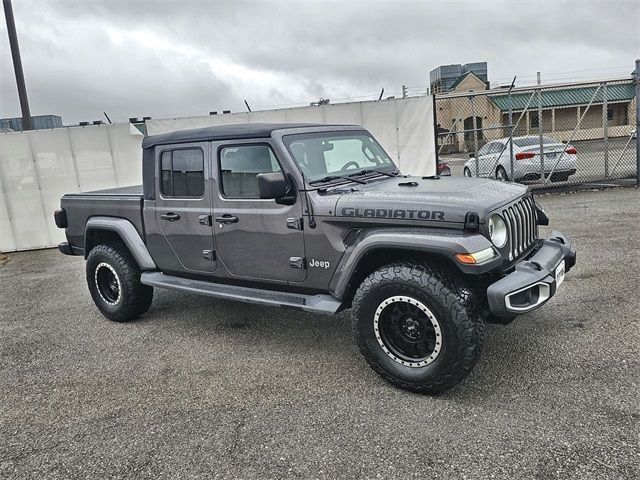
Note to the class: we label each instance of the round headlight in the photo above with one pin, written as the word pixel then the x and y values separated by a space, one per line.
pixel 497 231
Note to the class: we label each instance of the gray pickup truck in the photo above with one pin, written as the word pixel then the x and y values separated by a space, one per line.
pixel 319 218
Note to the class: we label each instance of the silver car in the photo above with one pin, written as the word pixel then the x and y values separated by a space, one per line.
pixel 558 160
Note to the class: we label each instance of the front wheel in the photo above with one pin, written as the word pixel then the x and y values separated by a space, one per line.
pixel 113 277
pixel 415 329
pixel 467 172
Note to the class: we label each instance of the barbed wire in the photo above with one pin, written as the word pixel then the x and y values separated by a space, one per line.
pixel 420 90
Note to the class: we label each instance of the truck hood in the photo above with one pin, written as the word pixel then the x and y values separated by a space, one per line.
pixel 444 199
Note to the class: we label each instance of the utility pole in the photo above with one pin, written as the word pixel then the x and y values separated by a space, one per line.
pixel 17 65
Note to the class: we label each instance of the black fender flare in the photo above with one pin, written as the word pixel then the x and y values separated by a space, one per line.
pixel 129 235
pixel 441 242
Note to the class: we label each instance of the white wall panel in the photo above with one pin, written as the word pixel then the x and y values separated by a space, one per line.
pixel 346 113
pixel 381 120
pixel 305 115
pixel 7 239
pixel 56 172
pixel 38 167
pixel 92 156
pixel 125 142
pixel 22 194
pixel 416 138
pixel 268 116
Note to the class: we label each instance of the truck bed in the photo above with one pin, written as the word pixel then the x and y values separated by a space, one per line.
pixel 121 202
pixel 133 190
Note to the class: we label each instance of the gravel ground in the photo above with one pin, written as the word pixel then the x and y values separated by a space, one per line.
pixel 200 388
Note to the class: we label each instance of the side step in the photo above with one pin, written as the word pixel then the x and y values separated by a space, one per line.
pixel 310 303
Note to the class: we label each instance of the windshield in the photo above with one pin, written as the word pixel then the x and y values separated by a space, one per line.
pixel 329 154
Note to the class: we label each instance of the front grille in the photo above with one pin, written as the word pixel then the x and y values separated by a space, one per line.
pixel 522 225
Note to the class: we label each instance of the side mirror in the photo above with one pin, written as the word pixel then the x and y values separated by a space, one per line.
pixel 472 155
pixel 272 185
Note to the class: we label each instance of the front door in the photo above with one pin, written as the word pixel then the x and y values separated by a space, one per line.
pixel 183 207
pixel 255 239
pixel 487 159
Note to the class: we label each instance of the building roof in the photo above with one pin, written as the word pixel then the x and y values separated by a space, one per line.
pixel 566 97
pixel 460 79
pixel 222 132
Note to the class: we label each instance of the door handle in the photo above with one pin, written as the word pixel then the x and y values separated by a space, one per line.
pixel 226 218
pixel 171 217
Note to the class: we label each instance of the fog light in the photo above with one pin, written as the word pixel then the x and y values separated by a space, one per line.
pixel 528 298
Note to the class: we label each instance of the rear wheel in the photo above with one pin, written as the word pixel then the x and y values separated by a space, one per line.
pixel 501 174
pixel 415 329
pixel 113 277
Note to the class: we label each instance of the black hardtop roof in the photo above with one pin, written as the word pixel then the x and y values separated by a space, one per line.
pixel 225 132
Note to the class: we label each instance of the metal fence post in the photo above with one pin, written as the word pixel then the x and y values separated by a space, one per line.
pixel 475 134
pixel 511 174
pixel 605 129
pixel 638 123
pixel 540 132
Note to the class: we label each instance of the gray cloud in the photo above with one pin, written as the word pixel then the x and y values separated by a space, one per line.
pixel 164 58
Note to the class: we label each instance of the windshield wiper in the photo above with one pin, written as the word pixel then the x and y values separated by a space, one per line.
pixel 394 173
pixel 329 178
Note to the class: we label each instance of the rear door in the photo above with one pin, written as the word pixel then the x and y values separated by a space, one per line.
pixel 183 205
pixel 256 239
pixel 500 157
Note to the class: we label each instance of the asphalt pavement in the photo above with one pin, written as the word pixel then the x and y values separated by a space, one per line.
pixel 202 388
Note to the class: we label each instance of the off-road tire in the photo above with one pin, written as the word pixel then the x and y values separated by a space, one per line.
pixel 133 298
pixel 454 306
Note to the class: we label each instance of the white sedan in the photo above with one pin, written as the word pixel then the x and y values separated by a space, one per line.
pixel 558 160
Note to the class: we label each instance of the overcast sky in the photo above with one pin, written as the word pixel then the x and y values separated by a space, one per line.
pixel 176 58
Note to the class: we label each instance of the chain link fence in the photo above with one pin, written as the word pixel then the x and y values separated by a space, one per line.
pixel 546 136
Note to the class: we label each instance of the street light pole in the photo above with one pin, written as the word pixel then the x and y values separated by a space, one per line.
pixel 17 65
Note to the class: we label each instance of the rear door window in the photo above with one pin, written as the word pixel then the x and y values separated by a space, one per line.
pixel 182 172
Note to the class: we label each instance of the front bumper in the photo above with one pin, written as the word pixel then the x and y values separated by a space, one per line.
pixel 533 282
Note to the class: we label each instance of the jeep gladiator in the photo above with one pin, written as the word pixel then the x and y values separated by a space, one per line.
pixel 319 218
